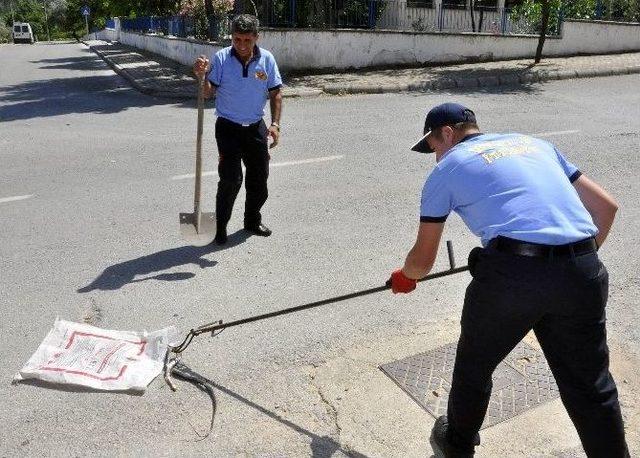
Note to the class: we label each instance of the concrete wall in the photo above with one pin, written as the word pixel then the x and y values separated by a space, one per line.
pixel 106 35
pixel 357 49
pixel 595 37
pixel 181 50
pixel 300 49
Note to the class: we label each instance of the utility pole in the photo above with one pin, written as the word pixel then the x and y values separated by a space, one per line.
pixel 46 19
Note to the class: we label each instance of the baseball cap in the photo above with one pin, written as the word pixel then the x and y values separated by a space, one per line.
pixel 446 114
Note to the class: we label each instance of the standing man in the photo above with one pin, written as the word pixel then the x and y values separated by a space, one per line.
pixel 242 77
pixel 541 222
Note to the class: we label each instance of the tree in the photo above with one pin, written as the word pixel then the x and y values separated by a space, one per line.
pixel 29 11
pixel 5 32
pixel 546 11
pixel 65 19
pixel 544 16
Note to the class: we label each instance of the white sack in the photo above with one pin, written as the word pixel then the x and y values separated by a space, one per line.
pixel 79 354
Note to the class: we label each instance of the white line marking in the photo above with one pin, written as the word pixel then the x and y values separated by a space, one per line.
pixel 553 134
pixel 14 198
pixel 307 161
pixel 191 175
pixel 273 164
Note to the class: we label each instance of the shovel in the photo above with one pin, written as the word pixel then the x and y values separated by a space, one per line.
pixel 198 228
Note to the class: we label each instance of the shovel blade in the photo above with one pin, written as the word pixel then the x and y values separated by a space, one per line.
pixel 206 232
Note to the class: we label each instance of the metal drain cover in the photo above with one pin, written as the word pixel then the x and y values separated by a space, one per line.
pixel 520 382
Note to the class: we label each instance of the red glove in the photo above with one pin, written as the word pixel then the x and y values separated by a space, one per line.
pixel 400 283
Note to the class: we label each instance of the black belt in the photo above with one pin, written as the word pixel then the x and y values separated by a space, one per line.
pixel 235 124
pixel 536 250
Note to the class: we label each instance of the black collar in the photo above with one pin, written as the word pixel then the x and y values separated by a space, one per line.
pixel 256 53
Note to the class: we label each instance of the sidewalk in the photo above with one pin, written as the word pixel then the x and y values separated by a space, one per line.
pixel 155 75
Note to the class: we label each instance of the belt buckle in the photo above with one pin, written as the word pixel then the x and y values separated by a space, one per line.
pixel 245 125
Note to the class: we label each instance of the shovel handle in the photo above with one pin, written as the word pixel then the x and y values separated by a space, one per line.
pixel 196 200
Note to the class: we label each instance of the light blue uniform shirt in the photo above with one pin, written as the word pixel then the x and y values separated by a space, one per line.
pixel 242 91
pixel 510 185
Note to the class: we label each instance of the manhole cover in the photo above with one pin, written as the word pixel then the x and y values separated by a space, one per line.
pixel 520 382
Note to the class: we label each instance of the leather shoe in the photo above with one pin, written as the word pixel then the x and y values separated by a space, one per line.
pixel 221 236
pixel 441 445
pixel 259 229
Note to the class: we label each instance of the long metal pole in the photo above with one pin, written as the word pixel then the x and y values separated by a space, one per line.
pixel 86 22
pixel 218 325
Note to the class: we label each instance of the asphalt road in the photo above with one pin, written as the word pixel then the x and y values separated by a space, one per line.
pixel 94 175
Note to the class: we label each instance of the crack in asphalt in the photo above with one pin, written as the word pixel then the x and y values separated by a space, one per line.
pixel 329 407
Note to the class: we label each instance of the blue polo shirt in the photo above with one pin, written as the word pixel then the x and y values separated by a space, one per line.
pixel 511 185
pixel 242 90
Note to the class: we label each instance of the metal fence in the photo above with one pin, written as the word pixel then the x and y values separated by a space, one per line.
pixel 498 21
pixel 146 24
pixel 619 11
pixel 179 26
pixel 403 15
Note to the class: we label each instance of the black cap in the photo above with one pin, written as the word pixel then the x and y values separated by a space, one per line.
pixel 446 114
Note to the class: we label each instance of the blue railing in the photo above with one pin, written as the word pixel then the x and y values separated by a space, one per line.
pixel 414 15
pixel 146 24
pixel 408 15
pixel 618 11
pixel 179 26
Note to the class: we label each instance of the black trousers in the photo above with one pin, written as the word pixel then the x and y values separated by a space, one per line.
pixel 563 300
pixel 248 144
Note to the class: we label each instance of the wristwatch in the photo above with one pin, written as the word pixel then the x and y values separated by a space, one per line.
pixel 276 125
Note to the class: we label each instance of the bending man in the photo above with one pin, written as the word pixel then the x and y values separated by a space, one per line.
pixel 541 222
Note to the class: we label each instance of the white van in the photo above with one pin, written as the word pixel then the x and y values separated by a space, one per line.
pixel 22 33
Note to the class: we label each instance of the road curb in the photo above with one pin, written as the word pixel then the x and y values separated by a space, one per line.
pixel 507 79
pixel 120 70
pixel 487 81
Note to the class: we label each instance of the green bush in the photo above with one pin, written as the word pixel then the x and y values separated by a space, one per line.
pixel 5 33
pixel 530 12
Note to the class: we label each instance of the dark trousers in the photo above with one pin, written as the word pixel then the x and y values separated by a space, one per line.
pixel 248 144
pixel 563 300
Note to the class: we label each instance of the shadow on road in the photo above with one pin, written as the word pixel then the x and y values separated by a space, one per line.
pixel 90 62
pixel 75 93
pixel 118 275
pixel 321 446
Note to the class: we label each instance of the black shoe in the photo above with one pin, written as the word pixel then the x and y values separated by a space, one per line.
pixel 259 229
pixel 221 236
pixel 442 447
